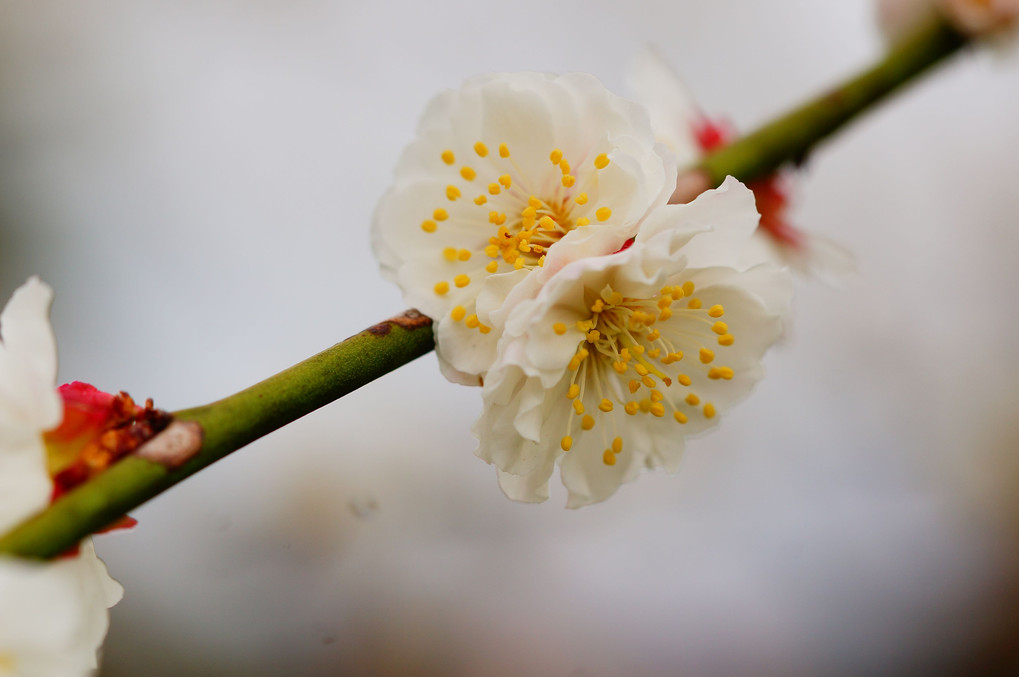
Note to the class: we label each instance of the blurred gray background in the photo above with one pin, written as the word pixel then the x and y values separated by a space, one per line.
pixel 196 180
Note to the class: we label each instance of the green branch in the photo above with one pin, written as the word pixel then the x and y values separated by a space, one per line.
pixel 231 423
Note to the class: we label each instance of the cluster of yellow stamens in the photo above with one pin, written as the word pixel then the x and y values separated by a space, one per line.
pixel 526 224
pixel 633 338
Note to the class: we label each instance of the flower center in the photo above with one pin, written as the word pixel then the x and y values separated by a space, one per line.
pixel 627 354
pixel 514 219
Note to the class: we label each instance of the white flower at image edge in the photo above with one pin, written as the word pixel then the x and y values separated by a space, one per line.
pixel 618 358
pixel 508 177
pixel 53 615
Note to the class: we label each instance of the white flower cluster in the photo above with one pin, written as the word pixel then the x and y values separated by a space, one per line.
pixel 529 219
pixel 53 615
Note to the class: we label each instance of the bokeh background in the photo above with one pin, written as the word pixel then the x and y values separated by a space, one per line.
pixel 196 179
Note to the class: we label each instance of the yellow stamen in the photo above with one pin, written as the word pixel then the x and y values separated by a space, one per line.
pixel 573 391
pixel 559 328
pixel 448 157
pixel 684 379
pixel 441 288
pixel 494 189
pixel 449 253
pixel 587 422
pixel 452 193
pixel 706 355
pixel 568 180
pixel 468 173
pixel 428 226
pixel 726 340
pixel 693 400
pixel 593 336
pixel 472 322
pixel 634 386
pixel 461 280
pixel 464 255
pixel 503 150
pixel 492 266
pixel 458 313
pixel 631 408
pixel 608 458
pixel 583 221
pixel 556 156
pixel 720 328
pixel 716 311
pixel 506 180
pixel 481 149
pixel 440 214
pixel 581 199
pixel 603 213
pixel 688 288
pixel 605 405
pixel 657 409
pixel 480 200
pixel 578 407
pixel 680 417
pixel 709 410
pixel 694 303
pixel 617 445
pixel 602 161
pixel 566 443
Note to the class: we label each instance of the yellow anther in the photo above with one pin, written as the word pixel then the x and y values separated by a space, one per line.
pixel 631 408
pixel 503 150
pixel 587 422
pixel 619 366
pixel 480 200
pixel 440 214
pixel 608 458
pixel 449 253
pixel 496 218
pixel 625 354
pixel 726 340
pixel 566 443
pixel 573 391
pixel 694 303
pixel 645 405
pixel 578 407
pixel 726 372
pixel 518 263
pixel 448 157
pixel 656 396
pixel 693 400
pixel 574 364
pixel 603 213
pixel 529 211
pixel 492 250
pixel 602 161
pixel 464 255
pixel 654 353
pixel 452 193
pixel 639 349
pixel 481 149
pixel 581 199
pixel 506 180
pixel 709 410
pixel 666 291
pixel 665 313
pixel 484 328
pixel 461 280
pixel 598 306
pixel 564 165
pixel 706 355
pixel 605 405
pixel 657 409
pixel 468 173
pixel 428 226
pixel 680 417
pixel 720 328
pixel 714 373
pixel 634 386
pixel 583 221
pixel 688 288
pixel 556 156
pixel 684 379
pixel 654 335
pixel 533 202
pixel 472 322
pixel 617 445
pixel 665 301
pixel 716 311
pixel 492 266
pixel 568 180
pixel 494 189
pixel 541 261
pixel 640 368
pixel 441 287
pixel 547 222
pixel 593 336
pixel 458 313
pixel 559 328
pixel 615 298
pixel 648 380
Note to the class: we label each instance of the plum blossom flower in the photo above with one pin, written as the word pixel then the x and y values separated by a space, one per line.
pixel 508 177
pixel 618 358
pixel 976 18
pixel 54 614
pixel 681 125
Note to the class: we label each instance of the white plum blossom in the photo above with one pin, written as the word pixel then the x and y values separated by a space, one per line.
pixel 509 176
pixel 618 358
pixel 53 615
pixel 680 124
pixel 976 18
